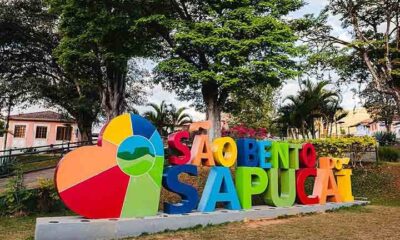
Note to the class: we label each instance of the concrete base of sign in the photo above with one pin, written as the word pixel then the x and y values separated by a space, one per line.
pixel 59 228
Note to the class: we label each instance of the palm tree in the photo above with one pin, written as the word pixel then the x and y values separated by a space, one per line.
pixel 159 116
pixel 339 115
pixel 178 117
pixel 166 117
pixel 311 103
pixel 333 114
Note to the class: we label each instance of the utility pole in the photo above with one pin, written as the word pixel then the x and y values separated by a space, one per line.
pixel 7 122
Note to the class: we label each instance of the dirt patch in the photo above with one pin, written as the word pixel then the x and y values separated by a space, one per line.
pixel 264 222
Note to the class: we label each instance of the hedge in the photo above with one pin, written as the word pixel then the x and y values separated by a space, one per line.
pixel 342 146
pixel 389 154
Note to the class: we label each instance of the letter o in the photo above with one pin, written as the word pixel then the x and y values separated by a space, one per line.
pixel 308 156
pixel 225 151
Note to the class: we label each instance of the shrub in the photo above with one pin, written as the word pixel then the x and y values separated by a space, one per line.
pixel 7 165
pixel 14 201
pixel 17 200
pixel 385 138
pixel 241 131
pixel 46 197
pixel 356 147
pixel 389 154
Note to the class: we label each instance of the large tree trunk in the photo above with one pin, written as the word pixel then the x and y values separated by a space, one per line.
pixel 113 93
pixel 213 109
pixel 213 114
pixel 85 132
pixel 85 123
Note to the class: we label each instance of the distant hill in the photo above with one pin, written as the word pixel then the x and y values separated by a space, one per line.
pixel 138 153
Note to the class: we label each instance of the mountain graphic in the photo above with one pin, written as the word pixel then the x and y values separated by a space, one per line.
pixel 138 153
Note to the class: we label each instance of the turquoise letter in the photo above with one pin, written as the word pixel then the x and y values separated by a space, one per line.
pixel 219 188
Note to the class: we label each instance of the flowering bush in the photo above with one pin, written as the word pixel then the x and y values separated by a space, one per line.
pixel 354 147
pixel 241 131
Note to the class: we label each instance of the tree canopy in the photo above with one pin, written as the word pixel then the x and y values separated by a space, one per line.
pixel 29 70
pixel 215 49
pixel 256 111
pixel 372 55
pixel 313 106
pixel 96 45
pixel 167 117
pixel 381 106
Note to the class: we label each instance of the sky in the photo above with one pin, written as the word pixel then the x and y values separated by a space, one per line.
pixel 157 94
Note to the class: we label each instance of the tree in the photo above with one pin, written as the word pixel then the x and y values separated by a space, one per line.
pixel 29 70
pixel 166 117
pixel 178 117
pixel 159 116
pixel 338 116
pixel 313 102
pixel 96 44
pixel 382 107
pixel 373 52
pixel 214 49
pixel 256 111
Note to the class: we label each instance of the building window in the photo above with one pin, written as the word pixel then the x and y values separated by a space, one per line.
pixel 19 131
pixel 41 132
pixel 64 133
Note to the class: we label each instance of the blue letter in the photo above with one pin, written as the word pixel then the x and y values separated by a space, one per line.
pixel 219 188
pixel 187 192
pixel 264 154
pixel 247 152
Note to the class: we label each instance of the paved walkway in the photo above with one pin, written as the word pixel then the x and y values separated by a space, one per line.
pixel 30 179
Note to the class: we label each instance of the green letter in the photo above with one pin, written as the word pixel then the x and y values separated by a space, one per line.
pixel 250 181
pixel 286 181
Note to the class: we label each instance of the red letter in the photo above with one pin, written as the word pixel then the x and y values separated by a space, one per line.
pixel 308 156
pixel 301 176
pixel 174 143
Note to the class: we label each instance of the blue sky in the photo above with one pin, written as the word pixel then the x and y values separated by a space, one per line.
pixel 157 94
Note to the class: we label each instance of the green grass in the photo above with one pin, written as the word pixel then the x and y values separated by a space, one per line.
pixel 38 161
pixel 380 184
pixel 39 165
pixel 22 228
pixel 17 227
pixel 370 222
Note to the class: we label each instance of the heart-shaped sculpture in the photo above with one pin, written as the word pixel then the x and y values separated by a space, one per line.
pixel 121 177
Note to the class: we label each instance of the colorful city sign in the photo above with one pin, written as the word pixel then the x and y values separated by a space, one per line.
pixel 123 175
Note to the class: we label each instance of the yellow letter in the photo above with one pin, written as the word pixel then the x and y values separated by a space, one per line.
pixel 225 151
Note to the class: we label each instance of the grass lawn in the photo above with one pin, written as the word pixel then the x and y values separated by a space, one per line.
pixel 38 161
pixel 370 222
pixel 48 163
pixel 17 227
pixel 23 228
pixel 374 221
pixel 379 220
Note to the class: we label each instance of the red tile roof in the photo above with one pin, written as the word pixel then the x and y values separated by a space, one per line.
pixel 48 116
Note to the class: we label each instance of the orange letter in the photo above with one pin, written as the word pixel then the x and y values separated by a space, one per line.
pixel 201 151
pixel 325 184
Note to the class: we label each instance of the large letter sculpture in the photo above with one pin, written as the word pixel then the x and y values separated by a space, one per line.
pixel 121 177
pixel 281 191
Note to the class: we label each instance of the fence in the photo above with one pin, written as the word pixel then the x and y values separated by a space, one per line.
pixel 35 158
